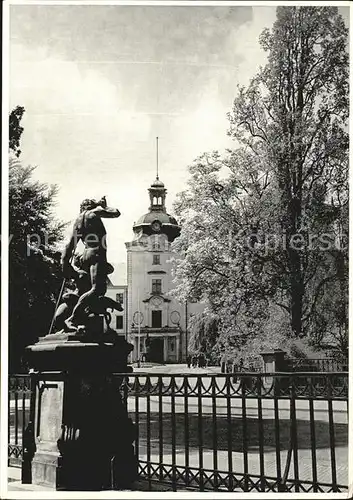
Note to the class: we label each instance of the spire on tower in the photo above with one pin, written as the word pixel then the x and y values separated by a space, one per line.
pixel 157 177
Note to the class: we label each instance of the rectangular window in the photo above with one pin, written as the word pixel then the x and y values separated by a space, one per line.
pixel 119 322
pixel 156 259
pixel 120 298
pixel 156 319
pixel 156 286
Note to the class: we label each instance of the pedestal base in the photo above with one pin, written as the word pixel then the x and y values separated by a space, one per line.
pixel 44 469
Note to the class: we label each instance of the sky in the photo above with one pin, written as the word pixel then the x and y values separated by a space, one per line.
pixel 99 83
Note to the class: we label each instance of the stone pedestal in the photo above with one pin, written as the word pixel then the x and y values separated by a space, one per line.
pixel 273 360
pixel 83 436
pixel 273 363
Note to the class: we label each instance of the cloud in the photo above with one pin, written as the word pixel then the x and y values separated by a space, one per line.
pixel 205 126
pixel 245 43
pixel 87 125
pixel 75 120
pixel 55 86
pixel 51 87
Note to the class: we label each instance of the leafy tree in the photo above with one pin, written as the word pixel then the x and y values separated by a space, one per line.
pixel 34 267
pixel 271 233
pixel 294 113
pixel 216 260
pixel 203 334
pixel 15 129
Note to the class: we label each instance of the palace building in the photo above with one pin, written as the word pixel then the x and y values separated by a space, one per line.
pixel 119 321
pixel 156 321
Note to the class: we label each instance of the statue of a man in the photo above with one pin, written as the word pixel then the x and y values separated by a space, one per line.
pixel 90 229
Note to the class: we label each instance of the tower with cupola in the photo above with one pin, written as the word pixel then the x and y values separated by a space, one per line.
pixel 156 319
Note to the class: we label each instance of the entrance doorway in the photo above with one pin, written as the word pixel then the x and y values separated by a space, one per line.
pixel 155 351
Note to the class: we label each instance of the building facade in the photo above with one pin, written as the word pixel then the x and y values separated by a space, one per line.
pixel 119 321
pixel 157 322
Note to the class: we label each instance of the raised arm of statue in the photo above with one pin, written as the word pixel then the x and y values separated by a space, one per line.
pixel 105 212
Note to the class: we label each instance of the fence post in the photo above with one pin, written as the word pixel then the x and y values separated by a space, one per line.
pixel 273 361
pixel 28 438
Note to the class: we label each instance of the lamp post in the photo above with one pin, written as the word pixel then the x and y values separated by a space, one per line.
pixel 139 330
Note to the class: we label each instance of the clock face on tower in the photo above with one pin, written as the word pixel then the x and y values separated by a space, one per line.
pixel 156 226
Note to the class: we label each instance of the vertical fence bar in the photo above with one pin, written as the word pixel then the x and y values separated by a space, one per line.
pixel 214 434
pixel 28 441
pixel 148 428
pixel 294 436
pixel 331 432
pixel 244 432
pixel 186 429
pixel 137 419
pixel 173 433
pixel 313 435
pixel 9 422
pixel 261 431
pixel 24 416
pixel 160 426
pixel 200 434
pixel 125 391
pixel 277 388
pixel 16 412
pixel 229 433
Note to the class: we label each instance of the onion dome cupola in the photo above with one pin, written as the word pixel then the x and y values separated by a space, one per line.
pixel 157 220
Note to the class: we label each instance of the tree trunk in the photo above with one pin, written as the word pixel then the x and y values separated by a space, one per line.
pixel 297 294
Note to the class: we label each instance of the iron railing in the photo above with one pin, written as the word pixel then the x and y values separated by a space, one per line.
pixel 241 432
pixel 291 365
pixel 20 415
pixel 225 432
pixel 317 365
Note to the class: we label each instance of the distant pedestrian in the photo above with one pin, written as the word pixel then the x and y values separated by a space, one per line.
pixel 223 366
pixel 188 360
pixel 194 361
pixel 202 360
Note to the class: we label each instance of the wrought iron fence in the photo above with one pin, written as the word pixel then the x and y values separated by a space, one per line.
pixel 20 414
pixel 317 365
pixel 241 432
pixel 226 432
pixel 332 364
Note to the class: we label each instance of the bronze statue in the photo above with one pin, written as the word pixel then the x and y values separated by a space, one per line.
pixel 90 269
